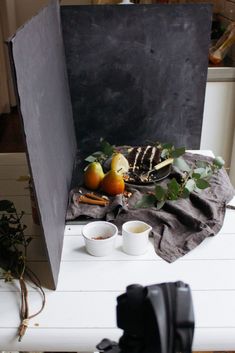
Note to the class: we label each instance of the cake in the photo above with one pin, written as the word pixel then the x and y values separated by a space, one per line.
pixel 142 160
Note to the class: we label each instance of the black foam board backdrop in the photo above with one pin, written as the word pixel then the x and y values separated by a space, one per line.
pixel 137 73
pixel 44 100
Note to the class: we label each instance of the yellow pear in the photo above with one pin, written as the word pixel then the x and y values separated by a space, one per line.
pixel 93 175
pixel 113 183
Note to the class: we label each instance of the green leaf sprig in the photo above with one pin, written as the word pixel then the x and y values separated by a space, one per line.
pixel 13 258
pixel 13 241
pixel 170 151
pixel 106 151
pixel 195 178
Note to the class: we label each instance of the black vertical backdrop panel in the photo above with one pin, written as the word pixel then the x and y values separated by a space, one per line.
pixel 137 73
pixel 38 60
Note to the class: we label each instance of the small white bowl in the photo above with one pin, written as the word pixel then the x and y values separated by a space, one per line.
pixel 92 232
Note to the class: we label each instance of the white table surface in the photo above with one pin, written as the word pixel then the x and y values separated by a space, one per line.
pixel 82 309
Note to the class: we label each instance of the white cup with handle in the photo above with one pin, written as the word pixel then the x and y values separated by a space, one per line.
pixel 135 237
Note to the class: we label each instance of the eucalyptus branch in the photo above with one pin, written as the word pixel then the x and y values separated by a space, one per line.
pixel 193 178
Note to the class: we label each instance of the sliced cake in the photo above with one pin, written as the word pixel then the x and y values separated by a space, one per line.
pixel 142 160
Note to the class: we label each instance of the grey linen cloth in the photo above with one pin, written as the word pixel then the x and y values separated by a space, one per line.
pixel 180 225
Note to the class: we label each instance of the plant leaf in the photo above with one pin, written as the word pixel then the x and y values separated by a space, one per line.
pixel 185 193
pixel 202 184
pixel 160 204
pixel 148 200
pixel 173 189
pixel 201 164
pixel 106 148
pixel 204 172
pixel 190 185
pixel 181 164
pixel 218 162
pixel 23 178
pixel 6 205
pixel 200 171
pixel 160 192
pixel 196 176
pixel 90 159
pixel 178 152
pixel 165 153
pixel 167 146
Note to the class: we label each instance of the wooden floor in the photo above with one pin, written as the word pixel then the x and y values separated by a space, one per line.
pixel 11 137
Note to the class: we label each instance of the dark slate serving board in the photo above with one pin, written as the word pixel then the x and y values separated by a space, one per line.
pixel 38 62
pixel 137 73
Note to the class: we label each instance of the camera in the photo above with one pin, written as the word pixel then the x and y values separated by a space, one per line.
pixel 155 319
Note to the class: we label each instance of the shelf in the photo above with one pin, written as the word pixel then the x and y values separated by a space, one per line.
pixel 221 74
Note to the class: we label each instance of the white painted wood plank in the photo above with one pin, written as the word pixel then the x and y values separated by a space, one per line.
pixel 232 202
pixel 116 275
pixel 77 310
pixel 214 308
pixel 74 250
pixel 65 340
pixel 218 247
pixel 229 222
pixel 97 309
pixel 73 229
pixel 80 340
pixel 214 339
pixel 13 159
pixel 13 188
pixel 13 172
pixel 108 276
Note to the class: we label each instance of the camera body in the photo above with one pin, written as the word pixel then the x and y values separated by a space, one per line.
pixel 155 319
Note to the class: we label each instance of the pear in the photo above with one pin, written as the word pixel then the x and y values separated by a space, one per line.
pixel 93 175
pixel 120 163
pixel 113 183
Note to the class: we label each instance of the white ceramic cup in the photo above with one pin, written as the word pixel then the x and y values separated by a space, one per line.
pixel 135 237
pixel 99 237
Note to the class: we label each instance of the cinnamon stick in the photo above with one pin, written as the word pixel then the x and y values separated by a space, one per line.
pixel 96 197
pixel 85 199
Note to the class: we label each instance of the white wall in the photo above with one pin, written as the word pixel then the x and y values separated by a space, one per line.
pixel 219 119
pixel 232 167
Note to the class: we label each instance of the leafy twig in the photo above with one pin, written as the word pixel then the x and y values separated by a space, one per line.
pixel 195 178
pixel 106 151
pixel 13 256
